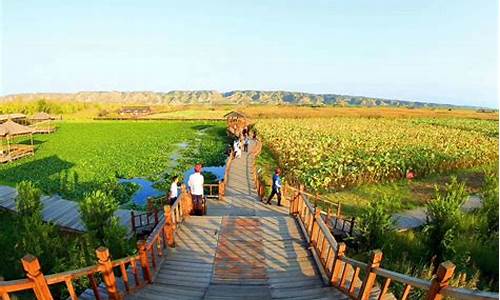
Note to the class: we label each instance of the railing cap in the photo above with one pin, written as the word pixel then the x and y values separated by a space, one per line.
pixel 102 254
pixel 31 264
pixel 445 271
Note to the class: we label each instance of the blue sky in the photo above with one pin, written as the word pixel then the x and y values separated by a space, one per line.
pixel 439 51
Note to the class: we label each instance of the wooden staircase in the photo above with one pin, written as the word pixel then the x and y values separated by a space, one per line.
pixel 226 257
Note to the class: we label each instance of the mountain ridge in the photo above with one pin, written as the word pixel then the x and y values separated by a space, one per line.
pixel 175 97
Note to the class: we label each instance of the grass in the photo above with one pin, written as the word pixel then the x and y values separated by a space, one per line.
pixel 403 193
pixel 80 156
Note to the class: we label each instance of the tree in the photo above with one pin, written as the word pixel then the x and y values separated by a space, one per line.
pixel 443 217
pixel 40 239
pixel 103 229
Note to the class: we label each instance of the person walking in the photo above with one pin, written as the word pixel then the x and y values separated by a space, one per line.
pixel 246 141
pixel 237 149
pixel 195 184
pixel 276 188
pixel 174 190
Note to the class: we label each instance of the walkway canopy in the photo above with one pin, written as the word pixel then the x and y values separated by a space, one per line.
pixel 9 150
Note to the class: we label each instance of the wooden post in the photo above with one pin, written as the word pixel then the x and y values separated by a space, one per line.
pixel 285 194
pixel 132 220
pixel 221 189
pixel 168 228
pixel 293 201
pixel 369 281
pixel 35 275
pixel 301 194
pixel 315 226
pixel 328 215
pixel 143 256
pixel 337 265
pixel 338 209
pixel 106 268
pixel 156 215
pixel 444 274
pixel 188 203
pixel 351 229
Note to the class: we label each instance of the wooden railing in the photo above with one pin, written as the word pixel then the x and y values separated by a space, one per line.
pixel 142 220
pixel 333 218
pixel 260 184
pixel 358 279
pixel 142 267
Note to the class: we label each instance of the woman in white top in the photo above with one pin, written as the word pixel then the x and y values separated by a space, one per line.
pixel 174 190
pixel 237 150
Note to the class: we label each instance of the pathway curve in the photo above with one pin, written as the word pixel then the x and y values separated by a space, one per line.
pixel 242 249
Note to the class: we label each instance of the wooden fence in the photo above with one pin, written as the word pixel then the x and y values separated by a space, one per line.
pixel 358 279
pixel 142 267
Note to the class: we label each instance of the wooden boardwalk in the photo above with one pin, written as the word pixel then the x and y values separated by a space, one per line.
pixel 56 210
pixel 242 249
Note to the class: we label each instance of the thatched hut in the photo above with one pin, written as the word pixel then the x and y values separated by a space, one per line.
pixel 41 122
pixel 16 117
pixel 237 122
pixel 10 134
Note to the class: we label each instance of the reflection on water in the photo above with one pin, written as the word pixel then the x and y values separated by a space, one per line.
pixel 146 190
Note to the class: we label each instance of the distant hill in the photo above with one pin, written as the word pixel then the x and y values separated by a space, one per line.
pixel 215 97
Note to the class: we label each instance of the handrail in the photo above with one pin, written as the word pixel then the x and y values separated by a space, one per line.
pixel 13 286
pixel 345 273
pixel 149 257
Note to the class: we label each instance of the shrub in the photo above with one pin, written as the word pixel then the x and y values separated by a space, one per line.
pixel 374 224
pixel 443 218
pixel 489 210
pixel 97 212
pixel 33 236
pixel 28 201
pixel 103 229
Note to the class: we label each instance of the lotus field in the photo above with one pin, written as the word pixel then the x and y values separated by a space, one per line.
pixel 334 153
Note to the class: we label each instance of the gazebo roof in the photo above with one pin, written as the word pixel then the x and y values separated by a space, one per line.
pixel 12 116
pixel 41 116
pixel 11 128
pixel 3 131
pixel 235 114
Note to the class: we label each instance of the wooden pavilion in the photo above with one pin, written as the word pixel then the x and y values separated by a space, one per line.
pixel 236 122
pixel 42 123
pixel 16 117
pixel 10 132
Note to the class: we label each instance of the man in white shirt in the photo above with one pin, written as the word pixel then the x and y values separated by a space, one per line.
pixel 174 190
pixel 195 184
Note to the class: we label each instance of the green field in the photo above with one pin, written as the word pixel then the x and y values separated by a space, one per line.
pixel 81 156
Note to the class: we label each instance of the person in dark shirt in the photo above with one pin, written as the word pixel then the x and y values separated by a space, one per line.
pixel 276 188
